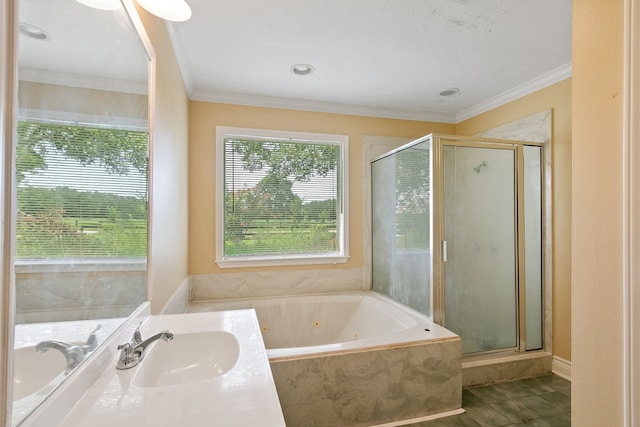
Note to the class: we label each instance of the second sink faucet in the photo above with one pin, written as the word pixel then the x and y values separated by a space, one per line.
pixel 133 352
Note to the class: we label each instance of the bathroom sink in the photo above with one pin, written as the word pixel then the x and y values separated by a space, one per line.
pixel 33 370
pixel 189 357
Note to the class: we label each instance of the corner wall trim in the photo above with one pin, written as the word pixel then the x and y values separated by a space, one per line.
pixel 561 367
pixel 179 301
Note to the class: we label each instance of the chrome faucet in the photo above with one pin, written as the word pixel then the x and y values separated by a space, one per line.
pixel 72 353
pixel 133 352
pixel 92 341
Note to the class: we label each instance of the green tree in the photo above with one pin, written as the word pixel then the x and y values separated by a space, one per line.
pixel 117 150
pixel 275 197
pixel 285 160
pixel 270 217
pixel 239 217
pixel 64 222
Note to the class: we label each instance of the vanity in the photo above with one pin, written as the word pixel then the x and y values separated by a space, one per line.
pixel 77 76
pixel 215 367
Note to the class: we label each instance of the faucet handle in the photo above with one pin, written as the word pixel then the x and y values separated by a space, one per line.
pixel 127 357
pixel 137 336
pixel 92 341
pixel 126 347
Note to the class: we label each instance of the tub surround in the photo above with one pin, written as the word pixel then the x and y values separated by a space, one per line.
pixel 48 292
pixel 245 395
pixel 371 387
pixel 205 287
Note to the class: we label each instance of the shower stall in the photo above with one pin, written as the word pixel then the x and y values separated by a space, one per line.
pixel 457 234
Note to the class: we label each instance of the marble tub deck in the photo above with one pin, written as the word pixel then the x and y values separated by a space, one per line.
pixel 371 387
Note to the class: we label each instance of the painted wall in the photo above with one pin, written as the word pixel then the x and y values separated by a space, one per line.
pixel 597 106
pixel 557 97
pixel 168 262
pixel 203 119
pixel 8 28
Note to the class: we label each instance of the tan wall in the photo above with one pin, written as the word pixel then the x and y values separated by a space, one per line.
pixel 168 261
pixel 8 28
pixel 203 119
pixel 557 97
pixel 597 365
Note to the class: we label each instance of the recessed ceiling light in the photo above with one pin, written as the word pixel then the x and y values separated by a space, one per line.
pixel 450 91
pixel 302 69
pixel 32 31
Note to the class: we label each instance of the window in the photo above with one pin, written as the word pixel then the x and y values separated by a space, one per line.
pixel 82 192
pixel 280 198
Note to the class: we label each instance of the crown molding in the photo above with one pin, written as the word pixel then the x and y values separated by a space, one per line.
pixel 80 81
pixel 318 107
pixel 547 79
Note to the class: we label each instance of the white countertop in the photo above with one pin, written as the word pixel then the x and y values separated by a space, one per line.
pixel 244 396
pixel 75 331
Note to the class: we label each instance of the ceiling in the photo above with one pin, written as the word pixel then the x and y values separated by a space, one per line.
pixel 383 58
pixel 72 44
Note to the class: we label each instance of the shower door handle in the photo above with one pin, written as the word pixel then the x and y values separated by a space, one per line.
pixel 444 251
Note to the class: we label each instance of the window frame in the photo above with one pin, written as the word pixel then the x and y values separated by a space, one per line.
pixel 342 256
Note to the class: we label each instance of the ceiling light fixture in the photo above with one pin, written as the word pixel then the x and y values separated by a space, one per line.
pixel 32 31
pixel 102 4
pixel 171 10
pixel 450 91
pixel 302 69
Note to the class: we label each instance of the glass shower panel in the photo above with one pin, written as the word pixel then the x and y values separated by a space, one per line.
pixel 401 226
pixel 533 245
pixel 480 234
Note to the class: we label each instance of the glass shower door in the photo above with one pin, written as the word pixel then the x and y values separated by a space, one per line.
pixel 480 246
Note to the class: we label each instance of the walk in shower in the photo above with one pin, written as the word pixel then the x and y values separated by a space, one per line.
pixel 457 232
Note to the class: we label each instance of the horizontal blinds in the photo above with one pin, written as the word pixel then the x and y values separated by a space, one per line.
pixel 82 192
pixel 412 198
pixel 281 197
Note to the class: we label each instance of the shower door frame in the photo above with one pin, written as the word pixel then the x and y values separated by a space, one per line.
pixel 438 236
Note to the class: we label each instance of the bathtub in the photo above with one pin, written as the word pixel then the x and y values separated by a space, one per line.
pixel 301 326
pixel 355 359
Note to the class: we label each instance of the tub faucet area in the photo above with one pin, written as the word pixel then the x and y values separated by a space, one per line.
pixel 72 353
pixel 133 352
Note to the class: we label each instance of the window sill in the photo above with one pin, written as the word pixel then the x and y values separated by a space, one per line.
pixel 264 261
pixel 71 265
